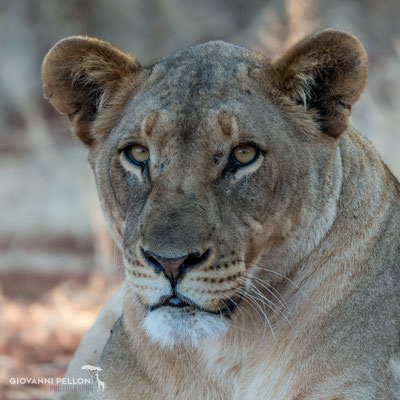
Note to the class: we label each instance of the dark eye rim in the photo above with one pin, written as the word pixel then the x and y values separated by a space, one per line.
pixel 234 162
pixel 128 155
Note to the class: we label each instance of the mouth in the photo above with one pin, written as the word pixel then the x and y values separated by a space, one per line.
pixel 179 302
pixel 175 302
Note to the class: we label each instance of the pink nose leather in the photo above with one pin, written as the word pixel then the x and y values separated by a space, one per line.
pixel 171 266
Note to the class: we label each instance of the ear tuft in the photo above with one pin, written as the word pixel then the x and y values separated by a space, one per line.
pixel 326 72
pixel 80 75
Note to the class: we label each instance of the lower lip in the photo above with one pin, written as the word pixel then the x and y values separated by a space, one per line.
pixel 183 305
pixel 171 305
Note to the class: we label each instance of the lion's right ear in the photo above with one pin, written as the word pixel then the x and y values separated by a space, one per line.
pixel 326 72
pixel 81 76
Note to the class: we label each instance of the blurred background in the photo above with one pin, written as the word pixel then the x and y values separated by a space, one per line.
pixel 57 263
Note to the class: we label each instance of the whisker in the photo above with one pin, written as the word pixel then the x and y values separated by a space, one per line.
pixel 257 310
pixel 226 306
pixel 237 306
pixel 230 312
pixel 273 307
pixel 294 284
pixel 250 298
pixel 269 303
pixel 261 282
pixel 269 285
pixel 220 312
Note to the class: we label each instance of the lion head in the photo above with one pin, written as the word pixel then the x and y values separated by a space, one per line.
pixel 213 165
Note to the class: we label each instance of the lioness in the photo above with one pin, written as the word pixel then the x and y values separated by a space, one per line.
pixel 260 231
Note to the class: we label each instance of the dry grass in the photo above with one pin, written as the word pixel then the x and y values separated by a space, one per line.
pixel 39 338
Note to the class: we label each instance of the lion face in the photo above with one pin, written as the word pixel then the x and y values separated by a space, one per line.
pixel 192 213
pixel 210 167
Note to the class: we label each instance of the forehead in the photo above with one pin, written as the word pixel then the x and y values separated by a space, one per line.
pixel 208 72
pixel 193 86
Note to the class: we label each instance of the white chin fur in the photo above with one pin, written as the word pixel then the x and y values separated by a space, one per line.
pixel 170 326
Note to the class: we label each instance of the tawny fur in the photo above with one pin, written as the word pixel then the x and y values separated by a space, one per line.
pixel 306 239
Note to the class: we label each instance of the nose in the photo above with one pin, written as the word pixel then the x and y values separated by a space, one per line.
pixel 173 268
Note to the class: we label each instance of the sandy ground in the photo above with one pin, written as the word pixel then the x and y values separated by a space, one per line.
pixel 42 326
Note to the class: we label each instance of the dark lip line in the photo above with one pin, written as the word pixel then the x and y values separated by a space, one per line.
pixel 187 303
pixel 157 306
pixel 227 311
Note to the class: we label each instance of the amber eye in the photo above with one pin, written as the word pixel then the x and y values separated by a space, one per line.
pixel 244 154
pixel 137 154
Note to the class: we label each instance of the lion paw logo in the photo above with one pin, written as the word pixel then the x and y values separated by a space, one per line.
pixel 94 371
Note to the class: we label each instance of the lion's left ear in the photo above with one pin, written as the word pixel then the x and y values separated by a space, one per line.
pixel 81 76
pixel 326 72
